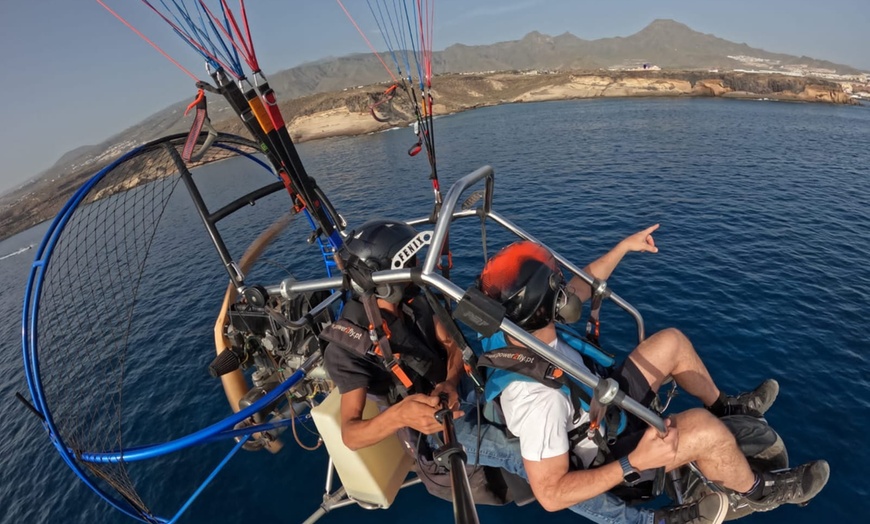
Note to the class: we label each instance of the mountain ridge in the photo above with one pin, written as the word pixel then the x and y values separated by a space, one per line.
pixel 663 43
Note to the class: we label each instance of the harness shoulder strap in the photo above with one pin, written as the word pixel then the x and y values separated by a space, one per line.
pixel 348 336
pixel 526 362
pixel 593 324
pixel 380 339
pixel 469 359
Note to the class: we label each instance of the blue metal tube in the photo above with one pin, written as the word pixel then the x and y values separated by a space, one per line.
pixel 208 480
pixel 197 437
pixel 34 382
pixel 29 322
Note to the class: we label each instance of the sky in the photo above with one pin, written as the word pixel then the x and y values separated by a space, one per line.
pixel 72 75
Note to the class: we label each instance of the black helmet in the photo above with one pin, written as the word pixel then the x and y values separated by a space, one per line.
pixel 378 245
pixel 525 278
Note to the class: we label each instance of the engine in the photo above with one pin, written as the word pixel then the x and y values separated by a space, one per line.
pixel 271 337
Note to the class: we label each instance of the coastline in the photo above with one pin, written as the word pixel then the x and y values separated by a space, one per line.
pixel 347 113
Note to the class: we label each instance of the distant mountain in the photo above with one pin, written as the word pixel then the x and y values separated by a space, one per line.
pixel 71 156
pixel 665 44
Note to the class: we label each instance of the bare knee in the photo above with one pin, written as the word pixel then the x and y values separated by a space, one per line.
pixel 698 419
pixel 700 427
pixel 672 337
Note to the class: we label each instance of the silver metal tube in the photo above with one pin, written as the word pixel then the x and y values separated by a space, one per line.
pixel 291 287
pixel 458 214
pixel 488 194
pixel 330 471
pixel 446 215
pixel 632 406
pixel 343 503
pixel 413 481
pixel 619 301
pixel 315 516
pixel 391 276
pixel 329 502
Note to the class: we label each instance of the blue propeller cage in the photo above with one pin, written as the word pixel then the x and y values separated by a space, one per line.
pixel 220 430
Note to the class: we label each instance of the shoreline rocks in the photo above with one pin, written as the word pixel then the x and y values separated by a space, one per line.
pixel 347 112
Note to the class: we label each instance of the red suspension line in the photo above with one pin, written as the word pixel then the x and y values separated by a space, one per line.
pixel 249 53
pixel 247 29
pixel 431 40
pixel 219 23
pixel 155 46
pixel 360 31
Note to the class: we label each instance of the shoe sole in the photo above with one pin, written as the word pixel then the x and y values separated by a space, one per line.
pixel 825 470
pixel 723 507
pixel 773 397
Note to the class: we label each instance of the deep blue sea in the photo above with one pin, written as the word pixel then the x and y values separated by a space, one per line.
pixel 764 245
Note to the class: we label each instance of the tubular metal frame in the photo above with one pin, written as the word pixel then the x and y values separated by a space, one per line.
pixel 430 277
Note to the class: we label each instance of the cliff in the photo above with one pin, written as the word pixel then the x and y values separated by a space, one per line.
pixel 347 112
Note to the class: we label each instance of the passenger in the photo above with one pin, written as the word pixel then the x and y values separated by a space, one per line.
pixel 527 280
pixel 429 358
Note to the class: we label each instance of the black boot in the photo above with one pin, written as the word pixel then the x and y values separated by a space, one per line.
pixel 753 403
pixel 791 486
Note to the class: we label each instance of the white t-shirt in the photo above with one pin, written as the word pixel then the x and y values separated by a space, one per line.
pixel 542 416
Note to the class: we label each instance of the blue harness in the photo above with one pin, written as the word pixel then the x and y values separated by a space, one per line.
pixel 598 361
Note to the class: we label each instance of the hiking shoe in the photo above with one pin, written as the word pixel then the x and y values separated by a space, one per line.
pixel 753 403
pixel 792 486
pixel 709 510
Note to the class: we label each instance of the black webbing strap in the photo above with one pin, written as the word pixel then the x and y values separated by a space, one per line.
pixel 524 361
pixel 380 340
pixel 593 324
pixel 581 432
pixel 469 359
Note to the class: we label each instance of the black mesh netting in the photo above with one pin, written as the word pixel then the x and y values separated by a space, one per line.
pixel 94 309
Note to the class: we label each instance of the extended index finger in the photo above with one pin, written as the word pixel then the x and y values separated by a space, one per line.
pixel 650 229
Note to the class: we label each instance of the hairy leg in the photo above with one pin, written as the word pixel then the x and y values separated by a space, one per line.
pixel 705 440
pixel 670 353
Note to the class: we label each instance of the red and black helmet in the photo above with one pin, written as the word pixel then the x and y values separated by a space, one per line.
pixel 525 278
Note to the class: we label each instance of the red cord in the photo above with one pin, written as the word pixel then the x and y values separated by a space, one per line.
pixel 367 41
pixel 155 46
pixel 247 30
pixel 248 53
pixel 190 40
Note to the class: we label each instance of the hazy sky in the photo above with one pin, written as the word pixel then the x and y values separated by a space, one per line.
pixel 72 75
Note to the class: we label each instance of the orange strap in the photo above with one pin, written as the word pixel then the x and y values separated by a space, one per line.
pixel 199 96
pixel 395 368
pixel 449 261
pixel 400 373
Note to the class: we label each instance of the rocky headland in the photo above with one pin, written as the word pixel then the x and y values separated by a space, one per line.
pixel 347 112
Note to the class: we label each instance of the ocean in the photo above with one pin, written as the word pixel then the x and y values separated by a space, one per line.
pixel 763 246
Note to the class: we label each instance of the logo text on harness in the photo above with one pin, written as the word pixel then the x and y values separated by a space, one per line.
pixel 519 357
pixel 349 331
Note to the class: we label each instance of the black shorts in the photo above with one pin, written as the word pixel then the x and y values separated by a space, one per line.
pixel 634 384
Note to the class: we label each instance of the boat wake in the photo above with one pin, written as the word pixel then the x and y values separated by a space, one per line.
pixel 22 250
